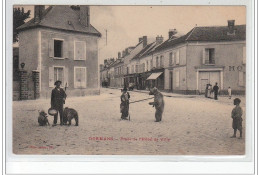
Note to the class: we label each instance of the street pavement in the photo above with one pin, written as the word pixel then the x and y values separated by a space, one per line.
pixel 191 125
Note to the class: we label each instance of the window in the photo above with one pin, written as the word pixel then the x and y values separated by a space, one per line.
pixel 161 61
pixel 133 69
pixel 151 64
pixel 241 78
pixel 177 57
pixel 80 50
pixel 244 55
pixel 157 62
pixel 136 69
pixel 147 65
pixel 170 59
pixel 80 77
pixel 58 48
pixel 58 73
pixel 209 56
pixel 177 78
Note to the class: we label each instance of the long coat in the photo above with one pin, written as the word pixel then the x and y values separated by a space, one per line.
pixel 57 98
pixel 236 115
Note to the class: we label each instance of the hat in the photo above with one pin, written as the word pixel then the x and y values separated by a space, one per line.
pixel 58 81
pixel 237 101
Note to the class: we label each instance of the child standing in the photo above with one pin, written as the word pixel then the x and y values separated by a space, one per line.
pixel 229 92
pixel 236 115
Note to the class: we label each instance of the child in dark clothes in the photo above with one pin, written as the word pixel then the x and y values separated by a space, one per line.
pixel 236 115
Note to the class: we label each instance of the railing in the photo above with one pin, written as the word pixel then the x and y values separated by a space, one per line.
pixel 209 61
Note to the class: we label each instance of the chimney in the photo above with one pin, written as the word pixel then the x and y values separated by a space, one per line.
pixel 84 16
pixel 172 32
pixel 231 26
pixel 112 60
pixel 126 51
pixel 105 61
pixel 144 41
pixel 38 12
pixel 159 39
pixel 119 54
pixel 140 39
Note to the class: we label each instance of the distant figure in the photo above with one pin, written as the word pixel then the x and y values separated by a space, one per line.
pixel 58 97
pixel 206 90
pixel 158 103
pixel 236 115
pixel 124 106
pixel 216 89
pixel 209 91
pixel 229 92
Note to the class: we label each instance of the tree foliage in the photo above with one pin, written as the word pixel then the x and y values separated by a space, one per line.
pixel 19 17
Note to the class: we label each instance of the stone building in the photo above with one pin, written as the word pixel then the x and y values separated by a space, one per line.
pixel 59 43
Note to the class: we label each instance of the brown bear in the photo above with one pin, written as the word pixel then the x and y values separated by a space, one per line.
pixel 42 119
pixel 69 114
pixel 158 103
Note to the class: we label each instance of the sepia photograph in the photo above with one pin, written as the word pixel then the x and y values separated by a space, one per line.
pixel 129 80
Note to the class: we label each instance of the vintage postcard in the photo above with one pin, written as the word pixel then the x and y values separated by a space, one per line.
pixel 129 80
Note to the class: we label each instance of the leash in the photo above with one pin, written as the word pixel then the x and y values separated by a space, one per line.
pixel 141 100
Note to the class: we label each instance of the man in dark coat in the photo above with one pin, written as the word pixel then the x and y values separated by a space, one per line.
pixel 124 106
pixel 58 97
pixel 236 115
pixel 216 89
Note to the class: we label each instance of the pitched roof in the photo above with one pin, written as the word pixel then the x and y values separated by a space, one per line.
pixel 60 17
pixel 207 34
pixel 146 48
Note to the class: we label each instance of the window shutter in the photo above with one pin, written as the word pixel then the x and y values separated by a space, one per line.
pixel 203 56
pixel 178 57
pixel 177 79
pixel 51 76
pixel 244 55
pixel 66 78
pixel 65 48
pixel 51 48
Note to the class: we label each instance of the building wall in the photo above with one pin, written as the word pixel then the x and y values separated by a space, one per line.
pixel 28 49
pixel 226 54
pixel 91 62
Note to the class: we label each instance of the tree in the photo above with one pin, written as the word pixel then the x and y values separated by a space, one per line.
pixel 19 16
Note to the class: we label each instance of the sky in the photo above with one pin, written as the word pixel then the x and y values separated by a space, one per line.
pixel 125 24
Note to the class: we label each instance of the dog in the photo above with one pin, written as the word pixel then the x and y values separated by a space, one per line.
pixel 69 114
pixel 42 119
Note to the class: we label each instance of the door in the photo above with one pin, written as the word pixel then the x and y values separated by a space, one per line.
pixel 203 85
pixel 171 81
pixel 214 77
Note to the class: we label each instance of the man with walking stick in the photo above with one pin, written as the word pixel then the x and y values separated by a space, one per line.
pixel 124 106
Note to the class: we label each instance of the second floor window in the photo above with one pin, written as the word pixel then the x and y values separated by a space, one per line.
pixel 80 50
pixel 161 61
pixel 157 61
pixel 209 56
pixel 151 64
pixel 170 59
pixel 58 48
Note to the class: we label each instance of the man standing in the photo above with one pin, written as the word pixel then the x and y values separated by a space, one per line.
pixel 216 89
pixel 58 97
pixel 124 106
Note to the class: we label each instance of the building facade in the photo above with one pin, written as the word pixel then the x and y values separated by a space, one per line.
pixel 60 44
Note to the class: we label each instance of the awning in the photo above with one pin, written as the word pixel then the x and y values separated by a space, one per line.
pixel 154 76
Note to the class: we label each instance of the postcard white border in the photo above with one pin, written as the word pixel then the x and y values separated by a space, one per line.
pixel 132 164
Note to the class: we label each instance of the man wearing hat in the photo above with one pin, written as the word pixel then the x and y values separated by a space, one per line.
pixel 58 97
pixel 124 106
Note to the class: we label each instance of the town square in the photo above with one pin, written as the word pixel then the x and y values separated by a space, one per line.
pixel 92 80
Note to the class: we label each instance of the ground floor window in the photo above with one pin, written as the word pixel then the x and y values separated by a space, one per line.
pixel 80 77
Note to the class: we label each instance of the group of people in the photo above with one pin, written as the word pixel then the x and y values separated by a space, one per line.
pixel 209 91
pixel 58 97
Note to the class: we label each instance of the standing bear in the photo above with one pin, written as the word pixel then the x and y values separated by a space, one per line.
pixel 158 103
